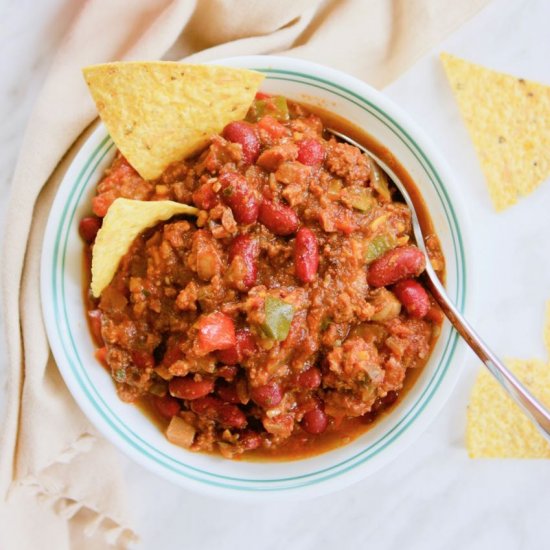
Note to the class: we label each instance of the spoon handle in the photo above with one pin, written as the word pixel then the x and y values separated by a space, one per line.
pixel 532 407
pixel 515 389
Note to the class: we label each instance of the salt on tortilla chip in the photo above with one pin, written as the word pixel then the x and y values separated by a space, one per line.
pixel 508 119
pixel 160 112
pixel 125 220
pixel 496 426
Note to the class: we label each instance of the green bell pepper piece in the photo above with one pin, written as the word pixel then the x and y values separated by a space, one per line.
pixel 359 198
pixel 379 246
pixel 278 317
pixel 379 181
pixel 276 107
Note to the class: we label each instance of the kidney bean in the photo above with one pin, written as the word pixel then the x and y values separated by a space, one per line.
pixel 413 296
pixel 310 378
pixel 238 195
pixel 204 197
pixel 245 345
pixel 216 332
pixel 369 417
pixel 389 399
pixel 88 228
pixel 278 218
pixel 215 409
pixel 189 388
pixel 143 359
pixel 94 318
pixel 206 406
pixel 396 264
pixel 172 354
pixel 267 396
pixel 245 134
pixel 306 255
pixel 248 249
pixel 310 152
pixel 166 406
pixel 314 421
pixel 228 392
pixel 231 416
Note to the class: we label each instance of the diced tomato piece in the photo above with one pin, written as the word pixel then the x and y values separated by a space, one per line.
pixel 216 332
pixel 262 95
pixel 245 345
pixel 101 203
pixel 272 126
pixel 346 224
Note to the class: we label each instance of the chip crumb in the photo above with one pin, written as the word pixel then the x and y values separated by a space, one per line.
pixel 496 426
pixel 510 131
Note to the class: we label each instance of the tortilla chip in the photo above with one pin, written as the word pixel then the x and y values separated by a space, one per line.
pixel 161 112
pixel 124 221
pixel 496 426
pixel 508 119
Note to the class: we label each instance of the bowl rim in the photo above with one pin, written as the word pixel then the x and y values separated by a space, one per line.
pixel 350 89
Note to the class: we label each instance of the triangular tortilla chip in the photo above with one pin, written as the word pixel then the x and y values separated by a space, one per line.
pixel 508 119
pixel 125 220
pixel 161 112
pixel 496 426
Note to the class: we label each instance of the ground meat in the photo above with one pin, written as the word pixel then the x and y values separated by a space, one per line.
pixel 348 162
pixel 265 334
pixel 272 158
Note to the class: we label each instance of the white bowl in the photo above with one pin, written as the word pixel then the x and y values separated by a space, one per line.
pixel 136 435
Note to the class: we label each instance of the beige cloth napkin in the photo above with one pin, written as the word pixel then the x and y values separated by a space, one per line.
pixel 60 482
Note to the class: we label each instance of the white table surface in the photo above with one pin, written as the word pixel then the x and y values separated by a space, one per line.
pixel 432 496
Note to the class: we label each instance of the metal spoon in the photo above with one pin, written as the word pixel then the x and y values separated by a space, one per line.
pixel 515 389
